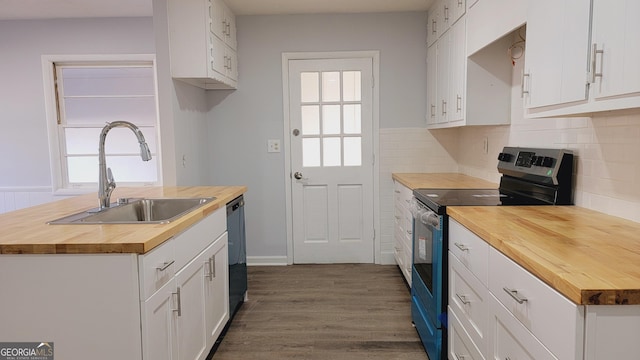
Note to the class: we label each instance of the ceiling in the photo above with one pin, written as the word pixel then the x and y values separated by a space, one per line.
pixel 47 9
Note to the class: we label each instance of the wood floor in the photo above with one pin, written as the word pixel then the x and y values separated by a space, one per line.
pixel 337 312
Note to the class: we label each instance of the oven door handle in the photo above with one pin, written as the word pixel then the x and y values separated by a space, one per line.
pixel 431 219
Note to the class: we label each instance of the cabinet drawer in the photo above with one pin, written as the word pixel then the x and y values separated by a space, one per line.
pixel 468 299
pixel 461 347
pixel 189 243
pixel 157 268
pixel 556 321
pixel 511 339
pixel 471 250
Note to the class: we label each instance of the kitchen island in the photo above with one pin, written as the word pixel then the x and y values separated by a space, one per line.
pixel 117 291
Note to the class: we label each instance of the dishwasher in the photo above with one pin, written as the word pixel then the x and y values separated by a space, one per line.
pixel 237 264
pixel 237 255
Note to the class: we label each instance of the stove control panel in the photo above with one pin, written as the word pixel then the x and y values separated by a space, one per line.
pixel 537 164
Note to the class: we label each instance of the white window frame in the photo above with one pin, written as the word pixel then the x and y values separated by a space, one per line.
pixel 60 185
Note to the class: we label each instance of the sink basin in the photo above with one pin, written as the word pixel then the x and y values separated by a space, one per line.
pixel 137 211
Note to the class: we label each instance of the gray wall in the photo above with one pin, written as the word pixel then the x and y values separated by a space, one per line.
pixel 241 121
pixel 24 146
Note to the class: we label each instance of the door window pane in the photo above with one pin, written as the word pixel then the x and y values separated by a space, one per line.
pixel 331 86
pixel 331 119
pixel 351 86
pixel 310 120
pixel 311 152
pixel 310 87
pixel 331 151
pixel 352 119
pixel 352 151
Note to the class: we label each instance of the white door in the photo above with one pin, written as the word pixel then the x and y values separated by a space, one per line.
pixel 331 112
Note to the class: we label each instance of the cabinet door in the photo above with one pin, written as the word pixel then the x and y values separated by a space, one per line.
pixel 457 70
pixel 159 324
pixel 433 16
pixel 192 343
pixel 557 51
pixel 457 9
pixel 432 84
pixel 511 340
pixel 460 346
pixel 615 52
pixel 442 85
pixel 216 288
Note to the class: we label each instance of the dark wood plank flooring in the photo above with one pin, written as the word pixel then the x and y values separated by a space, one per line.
pixel 340 312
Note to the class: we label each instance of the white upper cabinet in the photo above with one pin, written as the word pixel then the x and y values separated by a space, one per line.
pixel 433 17
pixel 582 58
pixel 557 57
pixel 432 88
pixel 615 49
pixel 457 65
pixel 202 38
pixel 442 79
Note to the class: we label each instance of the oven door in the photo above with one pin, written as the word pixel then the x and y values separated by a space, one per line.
pixel 428 261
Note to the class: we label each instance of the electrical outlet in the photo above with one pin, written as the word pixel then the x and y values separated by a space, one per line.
pixel 273 145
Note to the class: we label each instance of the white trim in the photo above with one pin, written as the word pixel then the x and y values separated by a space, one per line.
pixel 267 261
pixel 55 162
pixel 374 55
pixel 25 189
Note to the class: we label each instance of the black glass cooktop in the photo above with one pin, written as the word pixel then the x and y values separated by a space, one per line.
pixel 438 199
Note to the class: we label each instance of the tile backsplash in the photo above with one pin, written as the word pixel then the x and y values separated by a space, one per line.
pixel 607 150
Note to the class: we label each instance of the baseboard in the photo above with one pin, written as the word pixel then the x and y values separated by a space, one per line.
pixel 387 258
pixel 266 260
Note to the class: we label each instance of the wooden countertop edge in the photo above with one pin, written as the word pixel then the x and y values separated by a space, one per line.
pixel 145 244
pixel 442 181
pixel 574 293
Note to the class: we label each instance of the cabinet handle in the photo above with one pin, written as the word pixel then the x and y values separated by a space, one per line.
pixel 179 309
pixel 458 103
pixel 461 246
pixel 459 2
pixel 433 27
pixel 446 13
pixel 409 232
pixel 212 266
pixel 444 108
pixel 460 357
pixel 594 55
pixel 433 110
pixel 514 294
pixel 463 299
pixel 522 87
pixel 165 265
pixel 228 29
pixel 396 191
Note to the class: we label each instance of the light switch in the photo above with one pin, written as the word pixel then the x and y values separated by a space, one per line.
pixel 273 145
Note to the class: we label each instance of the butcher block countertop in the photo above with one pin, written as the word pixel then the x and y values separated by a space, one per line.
pixel 26 231
pixel 442 181
pixel 590 257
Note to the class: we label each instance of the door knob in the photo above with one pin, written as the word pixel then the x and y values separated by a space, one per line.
pixel 297 175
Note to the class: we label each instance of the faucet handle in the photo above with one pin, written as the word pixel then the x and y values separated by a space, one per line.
pixel 110 179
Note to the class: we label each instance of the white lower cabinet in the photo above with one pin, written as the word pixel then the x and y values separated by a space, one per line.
pixel 183 319
pixel 502 311
pixel 510 338
pixel 403 229
pixel 170 303
pixel 461 347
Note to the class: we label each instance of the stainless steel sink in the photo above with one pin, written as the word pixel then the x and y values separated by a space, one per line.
pixel 137 211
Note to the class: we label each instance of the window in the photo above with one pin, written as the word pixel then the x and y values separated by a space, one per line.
pixel 89 94
pixel 331 118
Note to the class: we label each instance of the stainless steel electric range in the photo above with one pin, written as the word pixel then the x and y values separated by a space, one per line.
pixel 529 177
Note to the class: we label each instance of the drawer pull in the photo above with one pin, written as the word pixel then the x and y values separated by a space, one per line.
pixel 179 301
pixel 514 294
pixel 165 265
pixel 463 299
pixel 460 357
pixel 462 247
